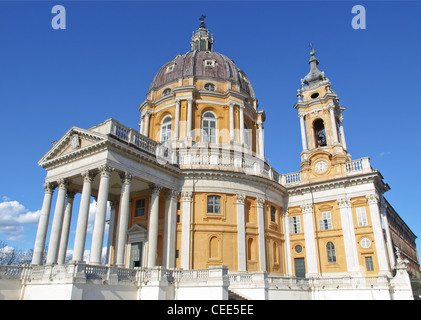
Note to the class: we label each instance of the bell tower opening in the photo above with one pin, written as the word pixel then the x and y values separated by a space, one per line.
pixel 319 133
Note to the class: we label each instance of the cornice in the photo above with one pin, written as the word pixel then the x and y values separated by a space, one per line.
pixel 230 176
pixel 372 177
pixel 325 99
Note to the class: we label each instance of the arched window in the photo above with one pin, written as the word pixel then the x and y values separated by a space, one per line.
pixel 166 129
pixel 319 133
pixel 209 127
pixel 331 254
pixel 210 87
pixel 166 92
pixel 214 204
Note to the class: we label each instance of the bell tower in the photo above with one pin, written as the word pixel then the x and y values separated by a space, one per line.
pixel 322 134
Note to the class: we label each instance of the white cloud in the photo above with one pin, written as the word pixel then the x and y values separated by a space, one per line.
pixel 385 153
pixel 13 217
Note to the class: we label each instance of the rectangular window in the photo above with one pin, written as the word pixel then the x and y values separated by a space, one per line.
pixel 214 204
pixel 362 217
pixel 140 208
pixel 272 214
pixel 326 222
pixel 369 263
pixel 295 224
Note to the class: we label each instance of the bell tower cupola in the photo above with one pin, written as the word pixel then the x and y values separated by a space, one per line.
pixel 320 114
pixel 202 40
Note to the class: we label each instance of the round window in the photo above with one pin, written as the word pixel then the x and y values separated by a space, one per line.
pixel 298 249
pixel 314 95
pixel 365 243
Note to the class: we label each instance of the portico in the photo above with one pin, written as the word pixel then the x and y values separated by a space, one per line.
pixel 107 173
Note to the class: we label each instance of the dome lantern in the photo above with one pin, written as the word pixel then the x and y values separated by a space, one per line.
pixel 202 40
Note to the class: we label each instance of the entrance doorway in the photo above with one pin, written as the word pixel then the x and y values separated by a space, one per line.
pixel 136 250
pixel 300 267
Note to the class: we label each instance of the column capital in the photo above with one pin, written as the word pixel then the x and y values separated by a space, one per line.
pixel 186 195
pixel 63 183
pixel 49 187
pixel 88 175
pixel 177 101
pixel 344 203
pixel 307 208
pixel 126 178
pixel 106 170
pixel 155 189
pixel 190 100
pixel 372 198
pixel 240 198
pixel 260 202
pixel 172 193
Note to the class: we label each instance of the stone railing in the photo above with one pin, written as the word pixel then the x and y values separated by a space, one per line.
pixel 291 178
pixel 128 135
pixel 358 166
pixel 223 157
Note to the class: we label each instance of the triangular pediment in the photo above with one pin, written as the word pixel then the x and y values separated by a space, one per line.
pixel 136 228
pixel 73 141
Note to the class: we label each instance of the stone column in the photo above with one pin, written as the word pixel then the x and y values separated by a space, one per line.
pixel 189 118
pixel 310 241
pixel 170 228
pixel 242 124
pixel 261 231
pixel 64 238
pixel 288 257
pixel 43 224
pixel 261 139
pixel 232 132
pixel 177 119
pixel 123 220
pixel 185 230
pixel 341 130
pixel 113 205
pixel 348 232
pixel 146 125
pixel 101 211
pixel 141 124
pixel 57 225
pixel 373 204
pixel 333 124
pixel 153 225
pixel 82 220
pixel 303 132
pixel 389 242
pixel 241 233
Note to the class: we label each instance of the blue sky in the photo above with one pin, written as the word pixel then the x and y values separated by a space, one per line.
pixel 102 64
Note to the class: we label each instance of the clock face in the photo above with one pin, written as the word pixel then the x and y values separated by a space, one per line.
pixel 320 166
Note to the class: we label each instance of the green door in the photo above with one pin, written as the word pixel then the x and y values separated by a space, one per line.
pixel 300 267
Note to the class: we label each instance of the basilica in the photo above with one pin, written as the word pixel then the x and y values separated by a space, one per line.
pixel 197 211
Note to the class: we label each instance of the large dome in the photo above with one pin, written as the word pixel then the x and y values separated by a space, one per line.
pixel 202 65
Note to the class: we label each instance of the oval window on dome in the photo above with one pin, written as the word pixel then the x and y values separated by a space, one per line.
pixel 210 87
pixel 166 92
